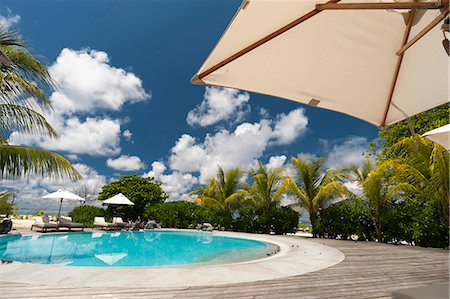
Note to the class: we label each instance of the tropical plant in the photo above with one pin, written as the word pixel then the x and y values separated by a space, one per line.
pixel 222 191
pixel 143 192
pixel 6 207
pixel 22 82
pixel 267 188
pixel 425 170
pixel 313 187
pixel 85 214
pixel 378 188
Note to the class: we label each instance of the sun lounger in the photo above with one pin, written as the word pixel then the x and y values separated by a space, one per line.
pixel 67 223
pixel 151 224
pixel 5 226
pixel 207 227
pixel 44 224
pixel 118 221
pixel 100 222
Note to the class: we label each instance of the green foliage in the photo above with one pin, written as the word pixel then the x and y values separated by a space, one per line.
pixel 344 219
pixel 312 187
pixel 6 207
pixel 422 122
pixel 416 222
pixel 39 213
pixel 86 214
pixel 143 192
pixel 258 220
pixel 22 85
pixel 183 214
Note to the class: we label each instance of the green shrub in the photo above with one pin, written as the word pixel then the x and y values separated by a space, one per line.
pixel 277 220
pixel 416 222
pixel 86 214
pixel 344 219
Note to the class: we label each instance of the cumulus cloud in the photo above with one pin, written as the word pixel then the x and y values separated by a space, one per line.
pixel 126 163
pixel 219 104
pixel 29 191
pixel 276 162
pixel 176 184
pixel 236 148
pixel 86 82
pixel 93 136
pixel 9 19
pixel 350 151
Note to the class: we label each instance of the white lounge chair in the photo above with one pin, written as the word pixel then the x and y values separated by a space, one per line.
pixel 44 224
pixel 207 227
pixel 118 221
pixel 100 222
pixel 67 222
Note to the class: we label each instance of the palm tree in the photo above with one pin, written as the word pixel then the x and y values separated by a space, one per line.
pixel 378 188
pixel 21 75
pixel 425 170
pixel 314 188
pixel 266 189
pixel 222 191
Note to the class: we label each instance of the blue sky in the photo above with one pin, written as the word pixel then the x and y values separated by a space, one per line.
pixel 126 106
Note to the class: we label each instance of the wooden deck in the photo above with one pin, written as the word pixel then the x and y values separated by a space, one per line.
pixel 370 270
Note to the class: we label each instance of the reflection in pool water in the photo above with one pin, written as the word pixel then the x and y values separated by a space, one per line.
pixel 129 249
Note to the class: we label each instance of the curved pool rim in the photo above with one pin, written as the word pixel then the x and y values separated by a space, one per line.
pixel 297 256
pixel 266 249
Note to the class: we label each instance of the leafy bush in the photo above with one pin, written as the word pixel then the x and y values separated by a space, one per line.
pixel 278 220
pixel 344 219
pixel 176 214
pixel 143 192
pixel 416 222
pixel 86 214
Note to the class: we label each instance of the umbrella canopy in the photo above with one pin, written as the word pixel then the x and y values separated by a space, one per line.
pixel 119 199
pixel 379 61
pixel 440 135
pixel 61 195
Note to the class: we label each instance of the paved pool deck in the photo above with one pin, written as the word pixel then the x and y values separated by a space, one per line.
pixel 368 270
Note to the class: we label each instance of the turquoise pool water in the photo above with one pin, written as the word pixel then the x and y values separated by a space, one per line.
pixel 129 249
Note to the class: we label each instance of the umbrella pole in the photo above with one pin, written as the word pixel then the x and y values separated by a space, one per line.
pixel 59 212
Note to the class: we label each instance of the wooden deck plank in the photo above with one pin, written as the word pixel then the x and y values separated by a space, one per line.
pixel 370 270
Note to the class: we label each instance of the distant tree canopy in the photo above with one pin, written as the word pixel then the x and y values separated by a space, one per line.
pixel 143 192
pixel 422 123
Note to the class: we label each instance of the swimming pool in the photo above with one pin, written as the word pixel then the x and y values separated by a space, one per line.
pixel 130 249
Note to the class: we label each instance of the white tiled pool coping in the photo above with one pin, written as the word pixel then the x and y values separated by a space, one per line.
pixel 297 256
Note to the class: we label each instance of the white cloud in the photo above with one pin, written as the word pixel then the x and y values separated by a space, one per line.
pixel 219 104
pixel 127 135
pixel 349 152
pixel 9 20
pixel 290 126
pixel 73 157
pixel 125 163
pixel 176 184
pixel 95 137
pixel 86 82
pixel 29 191
pixel 276 162
pixel 236 148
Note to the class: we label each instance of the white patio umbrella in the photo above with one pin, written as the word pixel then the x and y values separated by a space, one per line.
pixel 118 199
pixel 440 135
pixel 61 195
pixel 379 61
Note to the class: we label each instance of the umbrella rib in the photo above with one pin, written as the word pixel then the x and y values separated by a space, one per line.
pixel 424 31
pixel 260 42
pixel 398 65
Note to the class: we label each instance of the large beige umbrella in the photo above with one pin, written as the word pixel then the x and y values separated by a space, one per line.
pixel 440 135
pixel 379 61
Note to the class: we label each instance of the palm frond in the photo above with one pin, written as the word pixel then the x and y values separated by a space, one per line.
pixel 24 120
pixel 19 161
